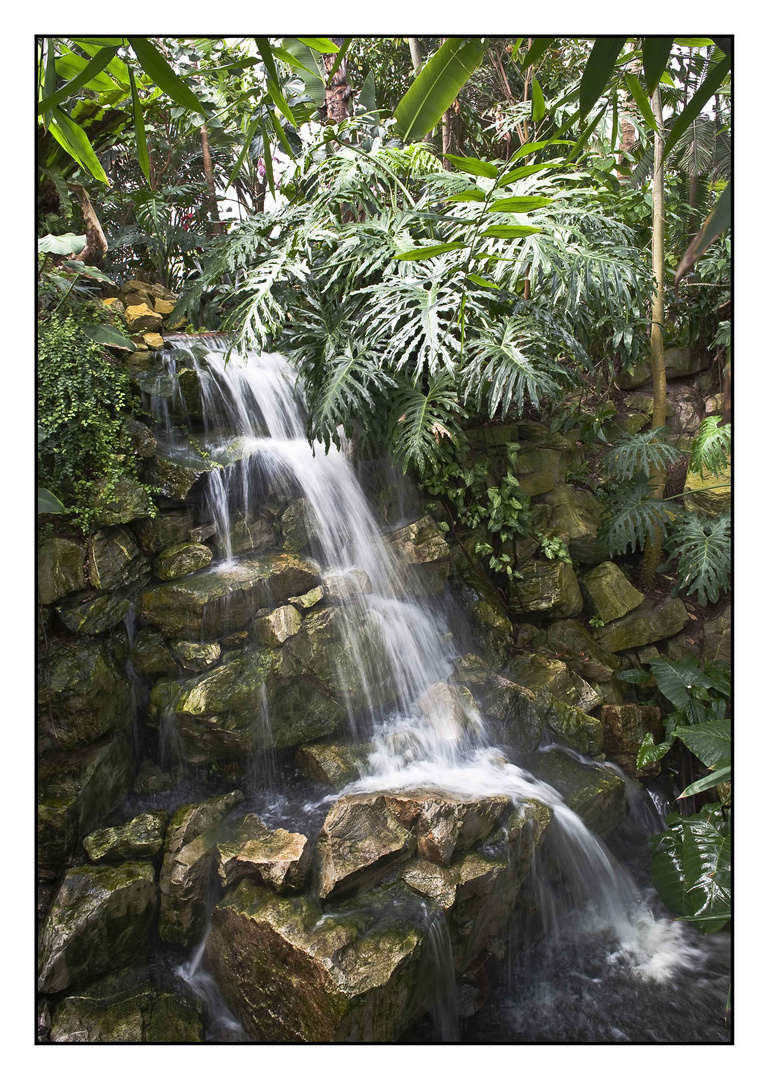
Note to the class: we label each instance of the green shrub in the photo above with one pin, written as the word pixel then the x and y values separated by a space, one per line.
pixel 84 399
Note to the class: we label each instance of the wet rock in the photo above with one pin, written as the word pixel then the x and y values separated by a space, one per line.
pixel 596 794
pixel 101 919
pixel 450 710
pixel 150 655
pixel 542 673
pixel 333 764
pixel 718 637
pixel 224 600
pixel 166 528
pixel 278 858
pixel 309 600
pixel 150 779
pixel 140 838
pixel 709 494
pixel 624 728
pixel 576 514
pixel 359 842
pixel 141 439
pixel 43 1028
pixel 347 586
pixel 174 471
pixel 278 626
pixel 425 554
pixel 202 533
pixel 608 592
pixel 494 628
pixel 82 694
pixel 142 317
pixel 114 559
pixel 571 639
pixel 292 976
pixel 96 614
pixel 180 559
pixel 478 891
pixel 446 825
pixel 298 525
pixel 547 586
pixel 60 569
pixel 76 790
pixel 125 1007
pixel 649 622
pixel 514 711
pixel 256 535
pixel 188 867
pixel 574 727
pixel 196 657
pixel 126 501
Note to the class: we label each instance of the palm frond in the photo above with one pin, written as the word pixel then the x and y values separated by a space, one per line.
pixel 644 453
pixel 712 447
pixel 419 421
pixel 703 547
pixel 632 517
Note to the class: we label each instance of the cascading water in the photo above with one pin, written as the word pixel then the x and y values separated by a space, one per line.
pixel 254 424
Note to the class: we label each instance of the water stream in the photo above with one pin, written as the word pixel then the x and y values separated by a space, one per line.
pixel 253 417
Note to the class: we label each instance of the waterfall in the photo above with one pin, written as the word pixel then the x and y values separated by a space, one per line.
pixel 255 400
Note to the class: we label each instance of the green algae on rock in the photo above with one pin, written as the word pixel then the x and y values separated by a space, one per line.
pixel 140 838
pixel 60 569
pixel 179 559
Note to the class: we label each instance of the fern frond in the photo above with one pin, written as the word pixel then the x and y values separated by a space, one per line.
pixel 703 547
pixel 641 453
pixel 712 447
pixel 632 517
pixel 420 421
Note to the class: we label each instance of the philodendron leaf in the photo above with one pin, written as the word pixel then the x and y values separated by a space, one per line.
pixel 65 244
pixel 691 869
pixel 650 752
pixel 711 741
pixel 47 503
pixel 108 335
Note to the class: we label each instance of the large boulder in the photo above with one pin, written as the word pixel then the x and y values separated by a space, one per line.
pixel 548 676
pixel 447 825
pixel 194 656
pixel 298 525
pixel 126 1007
pixel 278 626
pixel 142 317
pixel 76 790
pixel 538 469
pixel 166 528
pixel 569 638
pixel 333 764
pixel 717 644
pixel 358 844
pixel 140 838
pixel 101 918
pixel 174 470
pixel 679 362
pixel 547 587
pixel 96 613
pixel 573 726
pixel 188 867
pixel 122 501
pixel 292 973
pixel 608 592
pixel 650 622
pixel 82 694
pixel 209 604
pixel 150 655
pixel 710 493
pixel 624 727
pixel 494 628
pixel 512 708
pixel 422 550
pixel 114 559
pixel 60 569
pixel 179 559
pixel 576 513
pixel 595 794
pixel 278 858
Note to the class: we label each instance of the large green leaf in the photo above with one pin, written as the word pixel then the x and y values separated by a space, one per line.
pixel 474 166
pixel 649 752
pixel 677 679
pixel 537 102
pixel 519 204
pixel 720 776
pixel 711 742
pixel 247 140
pixel 142 152
pixel 301 58
pixel 79 267
pixel 717 221
pixel 598 71
pixel 320 44
pixel 529 170
pixel 96 65
pixel 436 87
pixel 691 869
pixel 641 100
pixel 163 75
pixel 428 252
pixel 509 232
pixel 47 503
pixel 65 244
pixel 539 47
pixel 697 103
pixel 656 51
pixel 77 144
pixel 108 335
pixel 273 82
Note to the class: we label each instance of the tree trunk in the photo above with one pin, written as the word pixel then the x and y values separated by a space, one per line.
pixel 208 169
pixel 95 241
pixel 337 90
pixel 416 56
pixel 446 128
pixel 653 549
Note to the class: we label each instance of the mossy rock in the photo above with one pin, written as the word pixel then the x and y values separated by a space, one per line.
pixel 180 559
pixel 194 656
pixel 140 838
pixel 624 729
pixel 423 552
pixel 649 622
pixel 114 559
pixel 174 472
pixel 572 640
pixel 709 494
pixel 150 655
pixel 95 614
pixel 166 528
pixel 608 592
pixel 127 501
pixel 211 604
pixel 574 727
pixel 82 692
pixel 717 644
pixel 333 764
pixel 494 628
pixel 298 525
pixel 547 587
pixel 546 675
pixel 76 790
pixel 596 794
pixel 576 513
pixel 60 569
pixel 141 317
pixel 538 469
pixel 101 918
